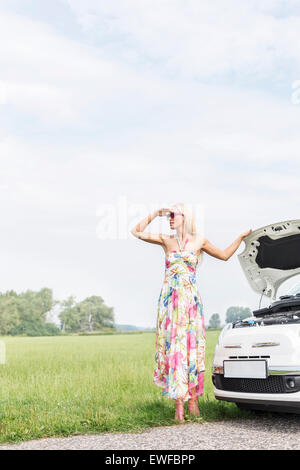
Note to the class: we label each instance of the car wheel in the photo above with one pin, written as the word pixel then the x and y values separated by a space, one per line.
pixel 248 407
pixel 243 406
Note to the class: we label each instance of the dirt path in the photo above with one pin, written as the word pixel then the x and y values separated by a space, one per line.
pixel 267 432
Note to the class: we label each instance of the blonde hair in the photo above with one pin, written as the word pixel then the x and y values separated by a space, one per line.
pixel 189 220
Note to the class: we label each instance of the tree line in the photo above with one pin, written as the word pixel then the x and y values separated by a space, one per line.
pixel 232 314
pixel 29 313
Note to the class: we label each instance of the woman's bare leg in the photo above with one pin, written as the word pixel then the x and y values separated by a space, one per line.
pixel 179 413
pixel 193 403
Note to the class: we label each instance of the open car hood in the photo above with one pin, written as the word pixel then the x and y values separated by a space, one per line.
pixel 271 255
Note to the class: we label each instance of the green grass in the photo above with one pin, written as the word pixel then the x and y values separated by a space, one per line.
pixel 57 386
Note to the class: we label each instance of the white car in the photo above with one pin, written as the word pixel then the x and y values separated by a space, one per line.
pixel 257 360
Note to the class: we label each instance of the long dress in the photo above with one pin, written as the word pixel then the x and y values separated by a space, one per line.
pixel 180 331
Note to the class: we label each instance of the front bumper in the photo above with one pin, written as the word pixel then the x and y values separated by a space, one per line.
pixel 281 399
pixel 289 403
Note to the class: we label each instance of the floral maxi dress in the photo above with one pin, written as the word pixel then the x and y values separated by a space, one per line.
pixel 180 331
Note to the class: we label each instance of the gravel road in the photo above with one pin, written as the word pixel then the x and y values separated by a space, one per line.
pixel 281 432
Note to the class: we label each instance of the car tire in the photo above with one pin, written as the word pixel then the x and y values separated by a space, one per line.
pixel 243 406
pixel 248 407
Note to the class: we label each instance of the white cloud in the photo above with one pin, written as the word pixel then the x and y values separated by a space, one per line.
pixel 249 40
pixel 58 79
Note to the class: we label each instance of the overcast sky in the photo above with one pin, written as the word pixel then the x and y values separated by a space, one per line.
pixel 152 102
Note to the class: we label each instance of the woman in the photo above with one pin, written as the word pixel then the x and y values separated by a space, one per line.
pixel 180 333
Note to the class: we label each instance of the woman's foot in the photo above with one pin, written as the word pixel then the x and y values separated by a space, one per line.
pixel 179 413
pixel 193 407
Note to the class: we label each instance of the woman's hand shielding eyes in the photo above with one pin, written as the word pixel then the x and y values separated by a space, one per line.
pixel 163 212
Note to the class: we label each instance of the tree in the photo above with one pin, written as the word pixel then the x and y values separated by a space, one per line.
pixel 68 316
pixel 215 321
pixel 99 315
pixel 9 313
pixel 237 313
pixel 35 305
pixel 91 314
pixel 26 313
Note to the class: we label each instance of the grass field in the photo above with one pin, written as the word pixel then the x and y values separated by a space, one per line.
pixel 57 386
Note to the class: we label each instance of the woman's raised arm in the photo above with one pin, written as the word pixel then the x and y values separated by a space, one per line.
pixel 224 255
pixel 138 230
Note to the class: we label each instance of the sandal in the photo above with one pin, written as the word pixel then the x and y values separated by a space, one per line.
pixel 179 413
pixel 193 407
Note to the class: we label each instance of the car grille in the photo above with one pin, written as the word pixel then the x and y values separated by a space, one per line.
pixel 272 384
